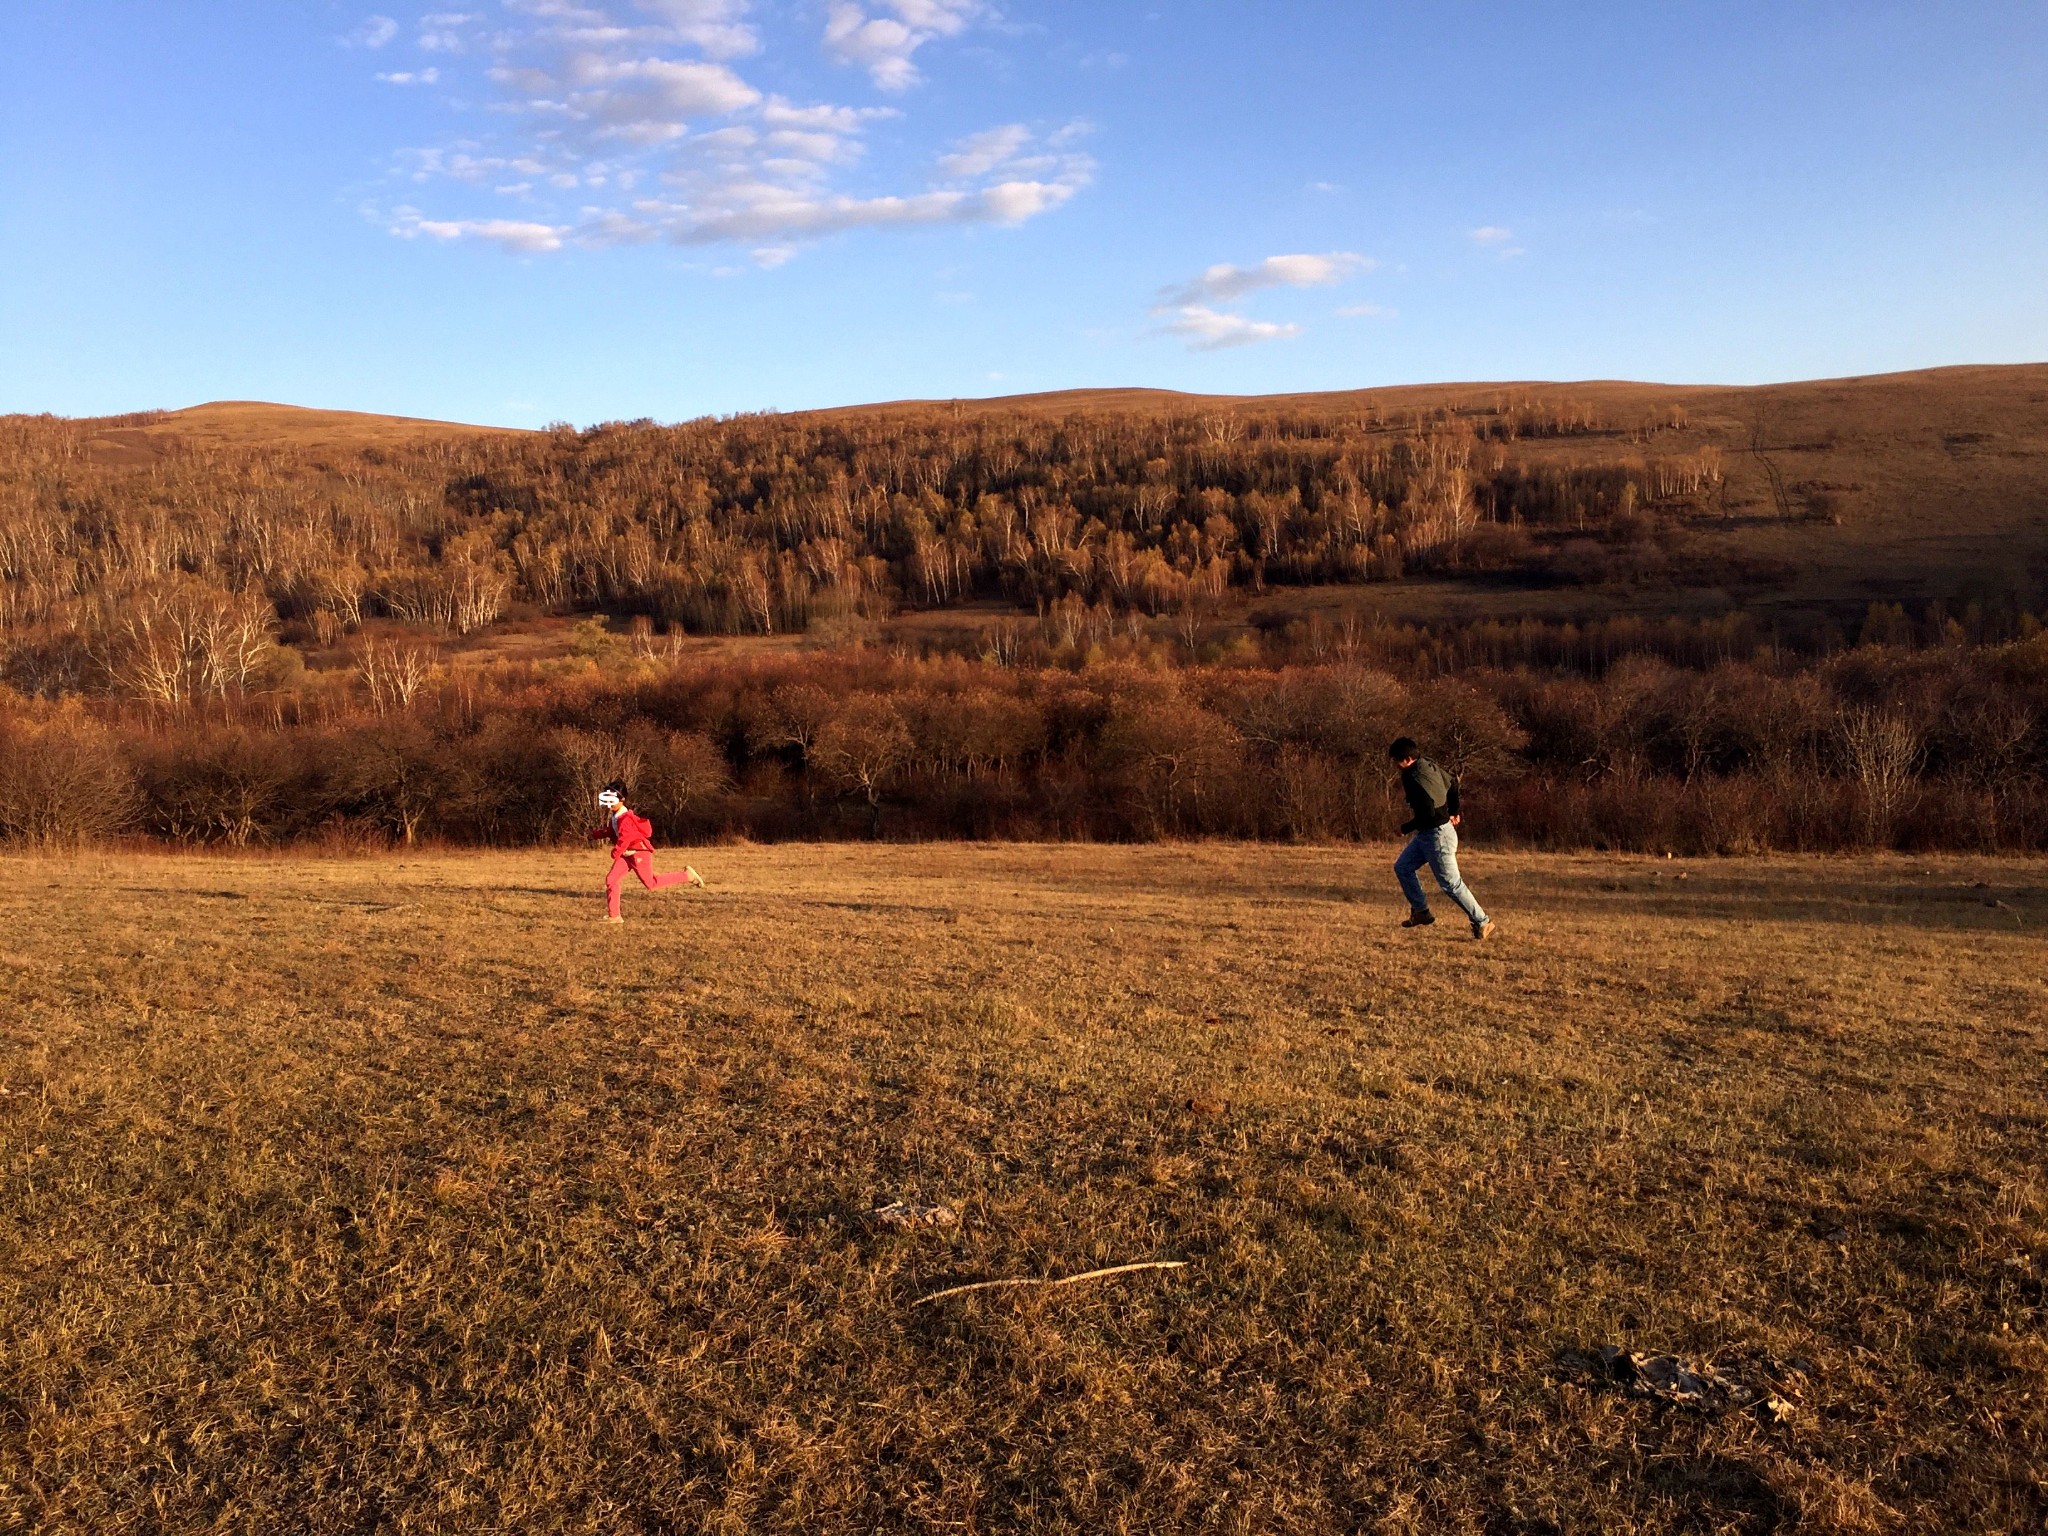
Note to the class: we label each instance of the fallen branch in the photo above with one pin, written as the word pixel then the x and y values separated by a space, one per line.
pixel 1093 1274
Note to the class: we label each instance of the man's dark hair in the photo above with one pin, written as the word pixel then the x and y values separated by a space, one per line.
pixel 1404 747
pixel 617 787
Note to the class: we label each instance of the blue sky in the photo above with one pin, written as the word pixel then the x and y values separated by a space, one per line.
pixel 521 211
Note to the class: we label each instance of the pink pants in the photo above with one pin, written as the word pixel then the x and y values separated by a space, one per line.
pixel 642 864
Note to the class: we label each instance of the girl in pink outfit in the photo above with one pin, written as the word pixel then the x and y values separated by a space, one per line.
pixel 632 838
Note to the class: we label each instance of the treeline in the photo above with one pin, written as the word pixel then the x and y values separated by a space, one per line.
pixel 166 580
pixel 1877 746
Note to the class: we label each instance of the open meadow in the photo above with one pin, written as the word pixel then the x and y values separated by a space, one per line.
pixel 400 1194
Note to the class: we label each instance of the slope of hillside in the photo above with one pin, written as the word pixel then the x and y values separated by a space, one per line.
pixel 1907 487
pixel 1799 499
pixel 229 425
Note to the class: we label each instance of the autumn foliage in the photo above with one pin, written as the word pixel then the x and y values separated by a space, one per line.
pixel 157 620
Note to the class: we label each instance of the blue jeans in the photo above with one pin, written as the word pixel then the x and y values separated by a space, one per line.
pixel 1438 848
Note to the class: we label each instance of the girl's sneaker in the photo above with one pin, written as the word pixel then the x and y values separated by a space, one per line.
pixel 694 878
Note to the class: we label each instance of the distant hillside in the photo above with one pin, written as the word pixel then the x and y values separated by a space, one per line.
pixel 1906 487
pixel 1801 504
pixel 236 424
pixel 1678 619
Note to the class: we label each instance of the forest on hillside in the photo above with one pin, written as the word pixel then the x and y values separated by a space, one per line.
pixel 157 615
pixel 766 525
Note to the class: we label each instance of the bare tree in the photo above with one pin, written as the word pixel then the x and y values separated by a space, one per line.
pixel 861 748
pixel 394 672
pixel 1882 750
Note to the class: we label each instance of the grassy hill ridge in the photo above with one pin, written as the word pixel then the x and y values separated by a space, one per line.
pixel 221 417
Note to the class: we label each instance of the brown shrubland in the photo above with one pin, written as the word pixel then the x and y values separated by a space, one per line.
pixel 1107 617
pixel 344 1195
pixel 1872 747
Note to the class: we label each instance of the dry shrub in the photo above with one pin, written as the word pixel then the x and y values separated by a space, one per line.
pixel 1465 730
pixel 508 784
pixel 61 778
pixel 230 785
pixel 1176 766
pixel 862 749
pixel 1310 801
pixel 590 760
pixel 1726 757
pixel 389 774
pixel 683 779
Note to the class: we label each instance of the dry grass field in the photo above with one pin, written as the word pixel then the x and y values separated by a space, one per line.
pixel 402 1195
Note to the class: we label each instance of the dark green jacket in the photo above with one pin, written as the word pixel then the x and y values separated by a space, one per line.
pixel 1432 795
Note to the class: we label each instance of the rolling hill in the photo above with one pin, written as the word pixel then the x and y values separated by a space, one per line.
pixel 1909 488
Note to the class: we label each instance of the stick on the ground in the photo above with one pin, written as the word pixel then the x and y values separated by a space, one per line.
pixel 1093 1274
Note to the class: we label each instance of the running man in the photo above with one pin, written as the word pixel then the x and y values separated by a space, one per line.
pixel 632 838
pixel 1433 796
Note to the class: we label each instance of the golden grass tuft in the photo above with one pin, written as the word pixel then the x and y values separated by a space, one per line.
pixel 402 1195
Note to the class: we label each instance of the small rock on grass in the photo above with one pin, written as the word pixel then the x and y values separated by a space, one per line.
pixel 902 1215
pixel 1669 1380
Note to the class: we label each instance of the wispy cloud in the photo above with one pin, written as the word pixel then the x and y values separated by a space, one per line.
pixel 1501 242
pixel 1365 312
pixel 715 27
pixel 1194 317
pixel 1225 283
pixel 512 234
pixel 442 32
pixel 980 153
pixel 627 121
pixel 763 211
pixel 1208 330
pixel 643 100
pixel 373 33
pixel 882 42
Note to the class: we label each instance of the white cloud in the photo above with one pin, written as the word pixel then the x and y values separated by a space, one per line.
pixel 511 234
pixel 1366 312
pixel 1012 202
pixel 374 33
pixel 1208 330
pixel 822 148
pixel 980 153
pixel 1492 234
pixel 614 228
pixel 781 114
pixel 440 32
pixel 627 108
pixel 775 211
pixel 651 100
pixel 712 26
pixel 883 44
pixel 1224 283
